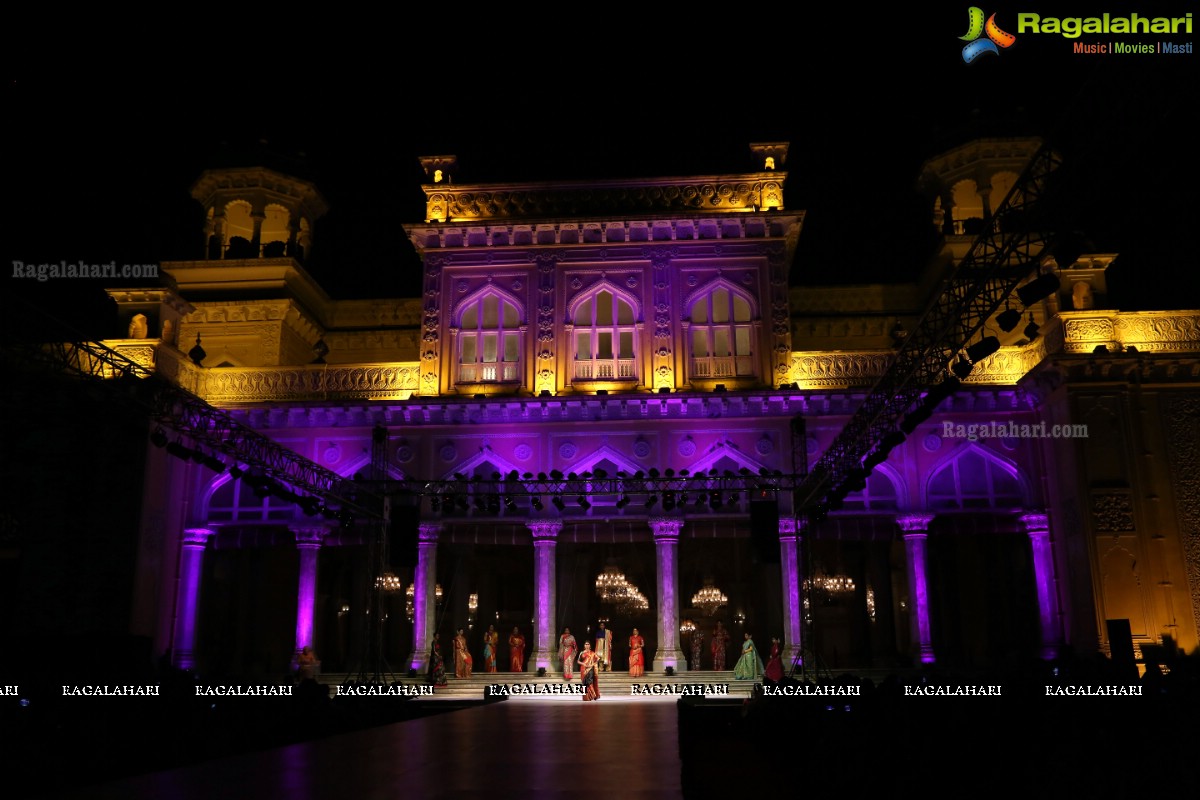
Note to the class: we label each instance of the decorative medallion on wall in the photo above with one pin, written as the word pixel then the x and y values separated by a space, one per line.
pixel 631 282
pixel 1112 513
pixel 1009 442
pixel 523 452
pixel 576 283
pixel 932 442
pixel 687 448
pixel 568 450
pixel 764 446
pixel 404 453
pixel 332 454
pixel 641 448
pixel 448 452
pixel 517 285
pixel 692 280
pixel 748 278
pixel 463 286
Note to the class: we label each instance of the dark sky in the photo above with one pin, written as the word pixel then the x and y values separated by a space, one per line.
pixel 101 160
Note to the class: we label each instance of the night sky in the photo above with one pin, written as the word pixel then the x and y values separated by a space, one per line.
pixel 102 171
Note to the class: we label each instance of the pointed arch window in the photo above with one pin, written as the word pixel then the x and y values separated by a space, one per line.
pixel 975 481
pixel 605 346
pixel 489 340
pixel 721 338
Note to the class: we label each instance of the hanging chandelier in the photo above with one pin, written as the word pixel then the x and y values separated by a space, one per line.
pixel 388 583
pixel 611 584
pixel 632 602
pixel 410 596
pixel 832 585
pixel 687 626
pixel 709 598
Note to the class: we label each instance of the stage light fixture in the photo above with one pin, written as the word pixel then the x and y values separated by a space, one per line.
pixel 1008 319
pixel 983 348
pixel 536 502
pixel 962 369
pixel 583 503
pixel 179 450
pixel 558 503
pixel 493 504
pixel 1098 350
pixel 651 500
pixel 668 501
pixel 1038 289
pixel 510 505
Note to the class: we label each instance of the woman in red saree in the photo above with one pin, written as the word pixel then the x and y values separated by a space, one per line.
pixel 637 660
pixel 490 640
pixel 774 670
pixel 566 651
pixel 589 672
pixel 462 656
pixel 516 649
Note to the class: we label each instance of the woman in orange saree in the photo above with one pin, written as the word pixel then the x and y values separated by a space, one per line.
pixel 516 650
pixel 637 660
pixel 462 656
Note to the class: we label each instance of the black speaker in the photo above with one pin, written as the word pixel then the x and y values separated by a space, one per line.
pixel 1120 648
pixel 764 530
pixel 402 536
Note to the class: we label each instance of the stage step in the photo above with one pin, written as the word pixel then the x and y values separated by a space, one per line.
pixel 615 684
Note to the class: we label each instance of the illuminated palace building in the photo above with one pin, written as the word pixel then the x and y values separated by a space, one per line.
pixel 608 403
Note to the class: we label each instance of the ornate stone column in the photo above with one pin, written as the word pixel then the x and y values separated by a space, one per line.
pixel 915 528
pixel 545 540
pixel 258 216
pixel 308 542
pixel 1037 525
pixel 666 545
pixel 792 572
pixel 424 600
pixel 187 595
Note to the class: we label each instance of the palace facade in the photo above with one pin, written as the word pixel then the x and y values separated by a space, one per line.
pixel 598 408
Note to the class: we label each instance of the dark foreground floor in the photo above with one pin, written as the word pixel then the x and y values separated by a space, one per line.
pixel 883 743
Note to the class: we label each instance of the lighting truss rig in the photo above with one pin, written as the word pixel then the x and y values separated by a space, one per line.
pixel 1012 248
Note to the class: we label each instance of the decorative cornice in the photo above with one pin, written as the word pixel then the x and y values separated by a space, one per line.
pixel 271 185
pixel 309 538
pixel 147 297
pixel 236 385
pixel 1148 331
pixel 707 193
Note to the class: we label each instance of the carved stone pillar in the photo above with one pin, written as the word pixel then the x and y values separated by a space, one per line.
pixel 1037 525
pixel 308 542
pixel 545 540
pixel 915 528
pixel 258 216
pixel 424 599
pixel 187 597
pixel 666 545
pixel 790 532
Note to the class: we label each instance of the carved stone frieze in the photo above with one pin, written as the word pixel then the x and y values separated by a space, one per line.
pixel 377 382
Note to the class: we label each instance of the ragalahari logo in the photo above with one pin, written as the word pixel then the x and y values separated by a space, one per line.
pixel 976 28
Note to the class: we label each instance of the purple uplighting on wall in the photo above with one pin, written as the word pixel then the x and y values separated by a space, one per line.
pixel 666 541
pixel 790 531
pixel 544 541
pixel 423 595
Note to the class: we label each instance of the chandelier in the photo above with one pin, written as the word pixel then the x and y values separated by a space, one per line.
pixel 687 626
pixel 611 584
pixel 632 601
pixel 831 584
pixel 388 583
pixel 410 595
pixel 709 598
pixel 473 603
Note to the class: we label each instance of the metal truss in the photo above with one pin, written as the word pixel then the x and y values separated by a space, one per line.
pixel 1009 251
pixel 228 441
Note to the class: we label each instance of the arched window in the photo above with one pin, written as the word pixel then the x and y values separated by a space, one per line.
pixel 489 340
pixel 721 339
pixel 879 495
pixel 604 338
pixel 973 480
